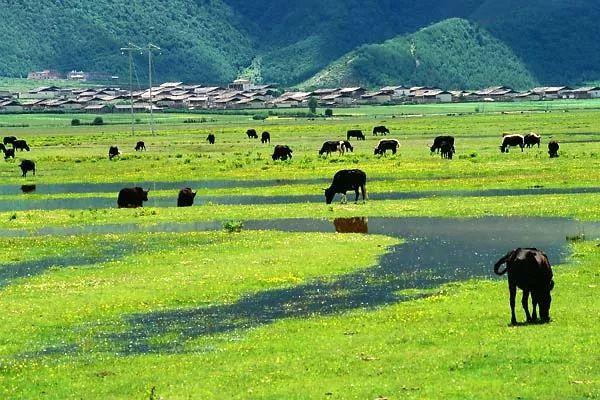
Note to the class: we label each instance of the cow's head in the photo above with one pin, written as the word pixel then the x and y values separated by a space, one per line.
pixel 145 194
pixel 349 147
pixel 544 298
pixel 329 195
pixel 377 151
pixel 503 149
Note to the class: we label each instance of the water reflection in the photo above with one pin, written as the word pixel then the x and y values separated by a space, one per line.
pixel 351 225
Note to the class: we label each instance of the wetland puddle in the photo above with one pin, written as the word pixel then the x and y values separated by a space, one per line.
pixel 22 203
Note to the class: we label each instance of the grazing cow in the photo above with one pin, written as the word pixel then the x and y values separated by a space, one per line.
pixel 351 225
pixel 447 150
pixel 357 133
pixel 265 137
pixel 437 143
pixel 331 146
pixel 9 153
pixel 9 139
pixel 512 140
pixel 281 152
pixel 529 270
pixel 139 146
pixel 345 180
pixel 26 166
pixel 113 152
pixel 211 138
pixel 132 197
pixel 346 146
pixel 186 198
pixel 387 144
pixel 28 188
pixel 553 148
pixel 20 145
pixel 380 129
pixel 531 139
pixel 252 134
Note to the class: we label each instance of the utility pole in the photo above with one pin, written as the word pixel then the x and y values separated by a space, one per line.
pixel 151 47
pixel 130 49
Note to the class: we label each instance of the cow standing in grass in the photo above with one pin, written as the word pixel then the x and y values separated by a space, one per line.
pixel 26 166
pixel 8 153
pixel 344 181
pixel 355 133
pixel 512 141
pixel 529 270
pixel 380 130
pixel 386 144
pixel 132 197
pixel 447 150
pixel 346 146
pixel 20 145
pixel 139 146
pixel 113 152
pixel 281 152
pixel 211 138
pixel 186 197
pixel 265 138
pixel 531 139
pixel 9 140
pixel 331 146
pixel 251 133
pixel 439 140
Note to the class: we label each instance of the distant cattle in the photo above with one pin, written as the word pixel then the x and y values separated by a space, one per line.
pixel 355 133
pixel 331 146
pixel 344 181
pixel 381 130
pixel 553 148
pixel 139 146
pixel 387 144
pixel 9 153
pixel 251 133
pixel 531 139
pixel 437 143
pixel 113 152
pixel 26 166
pixel 9 139
pixel 512 140
pixel 346 146
pixel 186 198
pixel 265 137
pixel 132 197
pixel 281 152
pixel 211 138
pixel 447 150
pixel 529 270
pixel 20 145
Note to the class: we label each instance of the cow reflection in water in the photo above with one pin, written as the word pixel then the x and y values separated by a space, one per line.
pixel 28 188
pixel 351 225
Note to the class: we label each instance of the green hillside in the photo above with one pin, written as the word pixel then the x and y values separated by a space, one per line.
pixel 450 54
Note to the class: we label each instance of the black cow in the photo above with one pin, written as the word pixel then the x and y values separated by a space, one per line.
pixel 529 270
pixel 345 180
pixel 9 139
pixel 211 138
pixel 252 134
pixel 139 146
pixel 346 146
pixel 20 145
pixel 380 129
pixel 281 152
pixel 265 137
pixel 26 166
pixel 512 140
pixel 447 150
pixel 113 152
pixel 437 143
pixel 387 144
pixel 132 197
pixel 186 198
pixel 553 148
pixel 9 153
pixel 357 133
pixel 531 139
pixel 331 146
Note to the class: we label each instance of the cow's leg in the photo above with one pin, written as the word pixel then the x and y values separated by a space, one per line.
pixel 525 304
pixel 356 195
pixel 534 301
pixel 512 288
pixel 363 189
pixel 344 200
pixel 522 148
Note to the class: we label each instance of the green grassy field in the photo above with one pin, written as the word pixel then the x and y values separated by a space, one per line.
pixel 76 305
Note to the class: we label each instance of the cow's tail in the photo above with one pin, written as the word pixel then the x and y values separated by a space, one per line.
pixel 499 264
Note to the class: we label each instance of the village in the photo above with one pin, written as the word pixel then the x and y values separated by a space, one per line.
pixel 242 94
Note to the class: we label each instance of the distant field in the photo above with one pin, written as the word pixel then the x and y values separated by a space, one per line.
pixel 173 303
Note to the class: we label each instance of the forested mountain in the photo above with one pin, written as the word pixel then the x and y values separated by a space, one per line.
pixel 450 54
pixel 551 41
